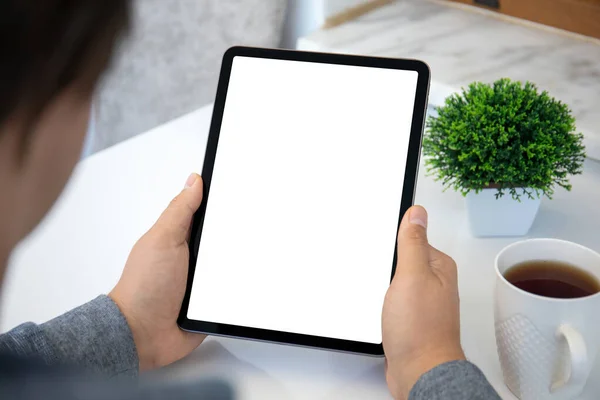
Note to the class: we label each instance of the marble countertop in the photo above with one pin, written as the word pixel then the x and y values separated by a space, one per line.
pixel 464 44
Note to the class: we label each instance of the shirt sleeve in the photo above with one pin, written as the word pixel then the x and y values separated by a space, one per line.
pixel 94 337
pixel 456 380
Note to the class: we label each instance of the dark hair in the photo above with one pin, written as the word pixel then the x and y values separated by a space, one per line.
pixel 47 46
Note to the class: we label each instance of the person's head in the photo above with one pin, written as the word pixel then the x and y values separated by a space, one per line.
pixel 52 55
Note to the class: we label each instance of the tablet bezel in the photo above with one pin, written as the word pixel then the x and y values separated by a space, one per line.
pixel 409 186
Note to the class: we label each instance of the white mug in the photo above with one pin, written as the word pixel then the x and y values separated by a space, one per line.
pixel 547 346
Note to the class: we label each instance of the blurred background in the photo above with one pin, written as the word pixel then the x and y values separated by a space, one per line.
pixel 170 63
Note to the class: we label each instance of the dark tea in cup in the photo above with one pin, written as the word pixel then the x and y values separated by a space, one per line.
pixel 546 303
pixel 555 279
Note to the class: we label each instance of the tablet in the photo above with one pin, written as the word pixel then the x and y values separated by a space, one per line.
pixel 311 162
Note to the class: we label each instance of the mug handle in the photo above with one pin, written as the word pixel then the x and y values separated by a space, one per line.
pixel 573 383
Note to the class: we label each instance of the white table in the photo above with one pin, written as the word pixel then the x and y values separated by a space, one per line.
pixel 115 195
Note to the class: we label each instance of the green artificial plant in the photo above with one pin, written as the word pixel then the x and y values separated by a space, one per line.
pixel 506 136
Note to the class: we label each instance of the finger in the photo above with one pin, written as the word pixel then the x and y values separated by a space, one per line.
pixel 176 219
pixel 444 263
pixel 188 235
pixel 413 247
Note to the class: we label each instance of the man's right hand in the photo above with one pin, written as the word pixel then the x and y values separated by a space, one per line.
pixel 421 324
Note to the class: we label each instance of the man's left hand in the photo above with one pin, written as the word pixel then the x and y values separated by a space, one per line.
pixel 151 289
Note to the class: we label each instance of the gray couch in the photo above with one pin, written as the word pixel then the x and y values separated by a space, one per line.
pixel 169 65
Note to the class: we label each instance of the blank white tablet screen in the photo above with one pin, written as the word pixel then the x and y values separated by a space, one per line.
pixel 301 221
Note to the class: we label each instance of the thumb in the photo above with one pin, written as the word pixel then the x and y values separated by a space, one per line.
pixel 176 219
pixel 413 247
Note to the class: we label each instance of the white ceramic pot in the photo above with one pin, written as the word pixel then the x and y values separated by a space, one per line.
pixel 504 216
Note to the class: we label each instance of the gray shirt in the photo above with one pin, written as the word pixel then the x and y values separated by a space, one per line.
pixel 35 362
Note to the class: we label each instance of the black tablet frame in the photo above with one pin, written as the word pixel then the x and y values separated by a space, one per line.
pixel 410 179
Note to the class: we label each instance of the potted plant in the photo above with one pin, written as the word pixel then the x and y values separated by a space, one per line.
pixel 503 146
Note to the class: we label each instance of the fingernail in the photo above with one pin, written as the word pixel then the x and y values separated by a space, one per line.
pixel 418 216
pixel 190 181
